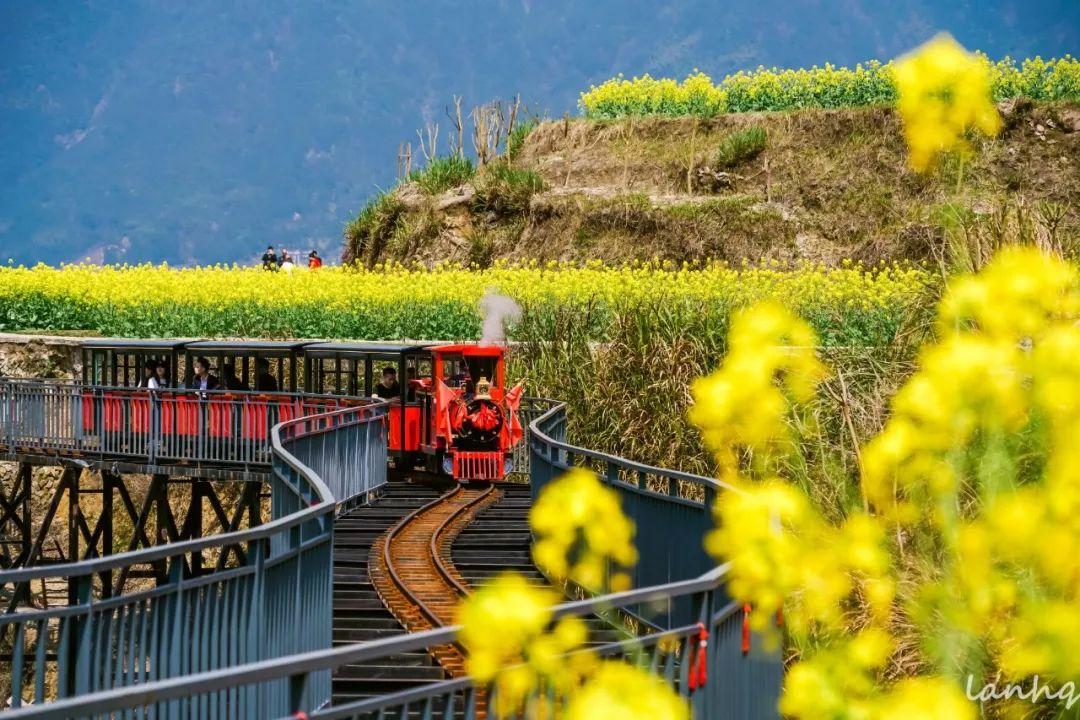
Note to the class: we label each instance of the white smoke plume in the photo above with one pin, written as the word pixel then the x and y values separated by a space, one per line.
pixel 497 311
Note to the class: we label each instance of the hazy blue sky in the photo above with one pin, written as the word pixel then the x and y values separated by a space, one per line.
pixel 200 131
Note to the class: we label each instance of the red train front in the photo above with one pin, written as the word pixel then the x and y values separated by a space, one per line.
pixel 453 413
pixel 473 418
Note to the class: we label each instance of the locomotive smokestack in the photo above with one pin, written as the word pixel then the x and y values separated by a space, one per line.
pixel 497 310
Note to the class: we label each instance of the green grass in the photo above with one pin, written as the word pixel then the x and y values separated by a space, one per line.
pixel 741 147
pixel 371 230
pixel 443 173
pixel 505 190
pixel 516 139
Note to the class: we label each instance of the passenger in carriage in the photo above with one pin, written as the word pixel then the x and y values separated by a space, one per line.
pixel 387 388
pixel 228 377
pixel 203 380
pixel 148 374
pixel 160 379
pixel 264 381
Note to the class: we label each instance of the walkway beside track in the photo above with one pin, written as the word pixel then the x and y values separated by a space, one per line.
pixel 359 612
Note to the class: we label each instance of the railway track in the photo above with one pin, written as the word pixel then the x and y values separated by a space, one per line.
pixel 441 542
pixel 412 571
pixel 359 613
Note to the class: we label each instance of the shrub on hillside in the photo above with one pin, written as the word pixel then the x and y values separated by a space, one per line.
pixel 741 146
pixel 504 190
pixel 443 173
pixel 370 231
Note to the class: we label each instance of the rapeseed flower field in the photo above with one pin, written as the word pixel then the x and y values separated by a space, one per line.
pixel 847 305
pixel 773 89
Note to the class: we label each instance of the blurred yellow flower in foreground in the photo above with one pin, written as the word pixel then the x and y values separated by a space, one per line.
pixel 619 691
pixel 581 532
pixel 971 505
pixel 943 90
pixel 505 629
pixel 771 361
pixel 540 666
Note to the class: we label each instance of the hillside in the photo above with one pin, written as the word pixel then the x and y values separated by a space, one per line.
pixel 819 185
pixel 197 132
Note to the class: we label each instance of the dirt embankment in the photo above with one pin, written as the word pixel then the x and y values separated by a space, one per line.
pixel 39 356
pixel 824 186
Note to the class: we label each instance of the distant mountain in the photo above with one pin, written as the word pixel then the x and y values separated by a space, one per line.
pixel 199 132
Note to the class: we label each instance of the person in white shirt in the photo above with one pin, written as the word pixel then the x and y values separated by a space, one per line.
pixel 160 379
pixel 287 264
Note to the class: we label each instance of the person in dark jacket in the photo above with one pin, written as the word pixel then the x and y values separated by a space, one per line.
pixel 228 376
pixel 388 387
pixel 203 380
pixel 269 259
pixel 264 381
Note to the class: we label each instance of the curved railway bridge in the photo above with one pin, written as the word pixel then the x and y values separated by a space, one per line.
pixel 288 572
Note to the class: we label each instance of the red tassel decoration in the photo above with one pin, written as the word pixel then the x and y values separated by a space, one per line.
pixel 699 667
pixel 780 617
pixel 746 629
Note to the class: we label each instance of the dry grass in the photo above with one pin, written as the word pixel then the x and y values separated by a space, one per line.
pixel 828 185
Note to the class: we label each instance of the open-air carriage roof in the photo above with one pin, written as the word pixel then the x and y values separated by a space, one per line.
pixel 244 347
pixel 133 344
pixel 363 348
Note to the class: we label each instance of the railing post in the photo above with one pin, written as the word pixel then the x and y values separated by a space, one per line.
pixel 175 625
pixel 257 641
pixel 673 487
pixel 82 627
pixel 703 700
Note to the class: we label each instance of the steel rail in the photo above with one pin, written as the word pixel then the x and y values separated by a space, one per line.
pixel 433 545
pixel 389 561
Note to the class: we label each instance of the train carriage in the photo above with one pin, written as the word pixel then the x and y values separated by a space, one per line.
pixel 120 362
pixel 452 413
pixel 354 368
pixel 261 365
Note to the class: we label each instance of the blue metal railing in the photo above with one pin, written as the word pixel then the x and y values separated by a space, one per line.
pixel 671 510
pixel 288 604
pixel 210 427
pixel 277 601
pixel 739 685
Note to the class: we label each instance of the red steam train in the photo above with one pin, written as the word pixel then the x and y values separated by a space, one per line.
pixel 452 412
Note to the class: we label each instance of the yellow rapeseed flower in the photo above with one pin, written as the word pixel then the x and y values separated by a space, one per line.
pixel 618 691
pixel 942 91
pixel 581 532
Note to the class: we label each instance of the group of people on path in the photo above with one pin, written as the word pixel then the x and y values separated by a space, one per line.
pixel 273 262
